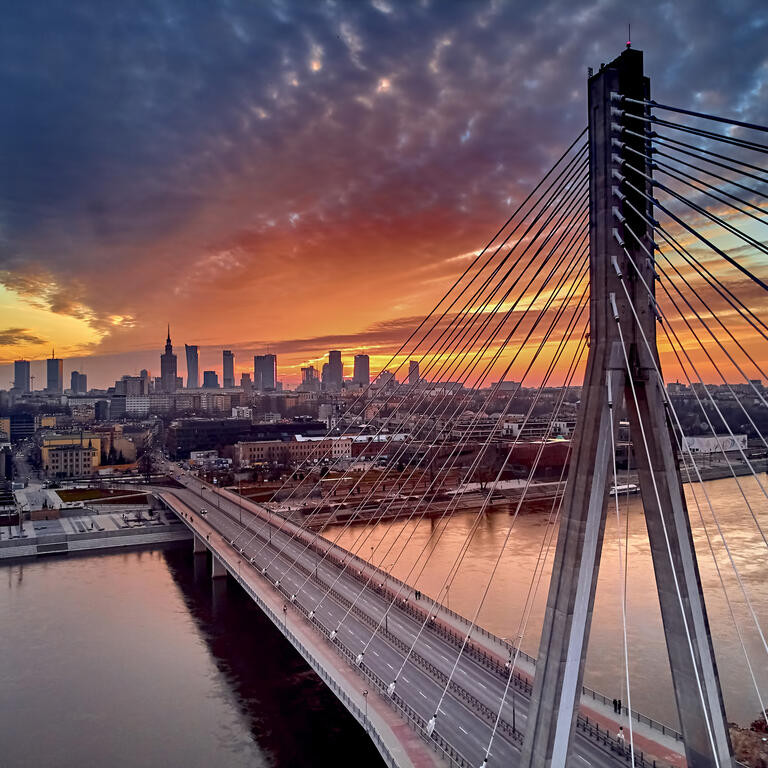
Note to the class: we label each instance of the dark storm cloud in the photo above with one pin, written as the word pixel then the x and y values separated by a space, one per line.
pixel 148 148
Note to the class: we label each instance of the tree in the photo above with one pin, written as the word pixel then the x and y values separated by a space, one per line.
pixel 146 465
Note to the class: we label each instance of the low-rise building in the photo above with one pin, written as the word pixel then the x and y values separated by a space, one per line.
pixel 292 451
pixel 71 460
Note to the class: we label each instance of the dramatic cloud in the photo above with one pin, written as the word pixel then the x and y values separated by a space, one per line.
pixel 15 337
pixel 304 170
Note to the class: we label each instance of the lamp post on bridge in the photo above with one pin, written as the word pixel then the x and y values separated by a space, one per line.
pixel 365 699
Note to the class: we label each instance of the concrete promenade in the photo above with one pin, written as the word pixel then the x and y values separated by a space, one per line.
pixel 89 533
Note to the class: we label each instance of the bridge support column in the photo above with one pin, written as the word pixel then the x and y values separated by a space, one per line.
pixel 198 545
pixel 217 567
pixel 623 364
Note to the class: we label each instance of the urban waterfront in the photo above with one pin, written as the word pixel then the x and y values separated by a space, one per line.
pixel 140 659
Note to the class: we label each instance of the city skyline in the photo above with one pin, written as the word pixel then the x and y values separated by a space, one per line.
pixel 349 256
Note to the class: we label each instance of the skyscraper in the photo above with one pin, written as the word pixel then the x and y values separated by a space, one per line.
pixel 228 368
pixel 210 380
pixel 265 372
pixel 146 381
pixel 193 366
pixel 309 380
pixel 54 369
pixel 168 366
pixel 308 374
pixel 361 375
pixel 78 383
pixel 21 375
pixel 413 373
pixel 335 370
pixel 245 382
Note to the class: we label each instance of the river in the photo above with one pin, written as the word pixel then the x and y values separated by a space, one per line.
pixel 139 659
pixel 650 680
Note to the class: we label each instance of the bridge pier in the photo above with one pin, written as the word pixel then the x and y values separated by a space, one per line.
pixel 198 545
pixel 217 567
pixel 622 373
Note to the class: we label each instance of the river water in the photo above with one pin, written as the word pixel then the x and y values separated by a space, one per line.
pixel 139 659
pixel 433 548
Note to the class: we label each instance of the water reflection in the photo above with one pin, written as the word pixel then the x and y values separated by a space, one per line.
pixel 292 714
pixel 139 659
pixel 432 549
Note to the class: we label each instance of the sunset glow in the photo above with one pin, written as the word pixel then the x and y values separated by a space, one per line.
pixel 304 181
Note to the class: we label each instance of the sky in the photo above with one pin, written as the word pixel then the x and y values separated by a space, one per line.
pixel 297 176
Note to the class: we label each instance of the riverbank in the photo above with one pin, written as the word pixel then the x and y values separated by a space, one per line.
pixel 90 532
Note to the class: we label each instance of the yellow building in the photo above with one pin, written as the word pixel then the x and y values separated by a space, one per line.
pixel 79 451
pixel 71 460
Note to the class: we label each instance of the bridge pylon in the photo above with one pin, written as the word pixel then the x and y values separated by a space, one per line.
pixel 622 368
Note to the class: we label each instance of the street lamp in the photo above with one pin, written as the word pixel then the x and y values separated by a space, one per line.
pixel 514 724
pixel 365 699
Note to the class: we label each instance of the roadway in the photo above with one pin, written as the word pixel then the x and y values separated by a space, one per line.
pixel 467 712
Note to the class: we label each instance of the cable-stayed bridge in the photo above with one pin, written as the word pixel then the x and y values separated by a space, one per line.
pixel 640 252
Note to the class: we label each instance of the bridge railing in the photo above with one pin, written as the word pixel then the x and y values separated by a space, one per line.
pixel 343 696
pixel 414 719
pixel 325 548
pixel 479 654
pixel 417 723
pixel 638 716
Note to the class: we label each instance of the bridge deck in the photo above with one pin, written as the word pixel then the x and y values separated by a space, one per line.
pixel 323 585
pixel 397 742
